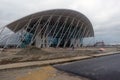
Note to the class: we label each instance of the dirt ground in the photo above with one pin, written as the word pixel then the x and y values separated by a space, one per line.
pixel 12 74
pixel 36 54
pixel 37 73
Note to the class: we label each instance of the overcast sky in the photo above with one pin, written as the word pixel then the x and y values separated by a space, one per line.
pixel 103 14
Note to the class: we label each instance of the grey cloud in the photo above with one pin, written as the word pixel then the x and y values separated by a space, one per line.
pixel 104 14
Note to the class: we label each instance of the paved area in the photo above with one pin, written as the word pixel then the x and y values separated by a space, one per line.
pixel 102 68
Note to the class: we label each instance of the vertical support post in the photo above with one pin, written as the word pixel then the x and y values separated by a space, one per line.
pixel 37 24
pixel 71 33
pixel 77 34
pixel 27 26
pixel 67 30
pixel 57 25
pixel 44 34
pixel 39 33
pixel 58 31
pixel 83 34
pixel 54 26
pixel 62 31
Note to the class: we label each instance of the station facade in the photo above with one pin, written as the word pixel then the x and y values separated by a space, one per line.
pixel 53 28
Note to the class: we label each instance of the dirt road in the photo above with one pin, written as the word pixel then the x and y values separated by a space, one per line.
pixel 37 73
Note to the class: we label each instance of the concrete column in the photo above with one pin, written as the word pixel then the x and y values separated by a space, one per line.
pixel 38 41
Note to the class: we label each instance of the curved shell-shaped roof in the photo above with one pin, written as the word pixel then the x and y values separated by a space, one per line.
pixel 55 12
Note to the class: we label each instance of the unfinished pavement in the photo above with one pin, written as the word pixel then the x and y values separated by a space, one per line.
pixel 9 56
pixel 37 73
pixel 49 73
pixel 51 62
pixel 102 68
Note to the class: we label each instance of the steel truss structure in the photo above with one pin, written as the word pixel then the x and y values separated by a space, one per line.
pixel 53 28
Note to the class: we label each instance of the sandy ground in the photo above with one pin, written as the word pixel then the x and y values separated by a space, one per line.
pixel 44 73
pixel 36 54
pixel 12 74
pixel 37 73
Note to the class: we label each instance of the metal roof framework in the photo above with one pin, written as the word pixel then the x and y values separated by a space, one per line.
pixel 66 24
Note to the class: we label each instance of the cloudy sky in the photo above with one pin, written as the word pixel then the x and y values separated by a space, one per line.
pixel 103 14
